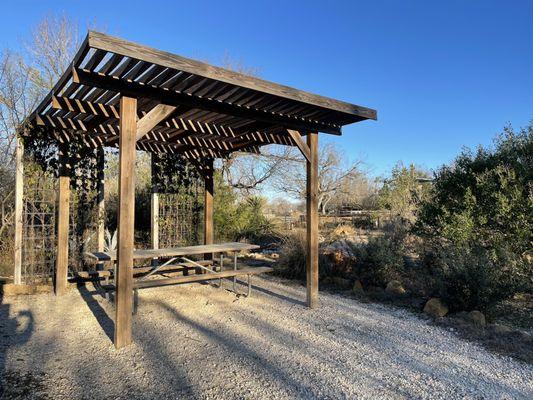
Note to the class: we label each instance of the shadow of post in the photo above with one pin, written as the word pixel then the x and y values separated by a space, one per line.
pixel 107 323
pixel 11 337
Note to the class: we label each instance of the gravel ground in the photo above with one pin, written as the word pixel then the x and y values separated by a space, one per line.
pixel 197 341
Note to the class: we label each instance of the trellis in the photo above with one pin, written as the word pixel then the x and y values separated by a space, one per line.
pixel 179 222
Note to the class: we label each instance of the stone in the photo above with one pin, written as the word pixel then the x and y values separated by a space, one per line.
pixel 477 318
pixel 395 287
pixel 326 280
pixel 357 287
pixel 341 282
pixel 499 330
pixel 435 308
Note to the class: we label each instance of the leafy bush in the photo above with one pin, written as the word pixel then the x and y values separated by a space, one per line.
pixel 380 260
pixel 475 278
pixel 485 198
pixel 235 218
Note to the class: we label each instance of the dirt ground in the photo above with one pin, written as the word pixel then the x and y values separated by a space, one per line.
pixel 198 341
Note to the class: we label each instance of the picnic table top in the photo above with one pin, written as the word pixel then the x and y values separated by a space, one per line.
pixel 174 251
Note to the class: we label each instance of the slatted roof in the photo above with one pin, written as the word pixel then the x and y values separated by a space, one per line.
pixel 210 111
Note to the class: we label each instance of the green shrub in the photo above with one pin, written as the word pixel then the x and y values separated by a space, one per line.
pixel 485 197
pixel 476 278
pixel 380 260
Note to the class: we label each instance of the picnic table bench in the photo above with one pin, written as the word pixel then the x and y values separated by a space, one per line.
pixel 178 254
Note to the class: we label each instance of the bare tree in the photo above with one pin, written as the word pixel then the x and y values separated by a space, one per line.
pixel 26 75
pixel 51 48
pixel 335 174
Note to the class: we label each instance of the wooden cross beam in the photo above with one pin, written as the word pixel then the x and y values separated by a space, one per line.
pixel 304 148
pixel 172 97
pixel 152 118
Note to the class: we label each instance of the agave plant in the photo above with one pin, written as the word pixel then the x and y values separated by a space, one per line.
pixel 110 240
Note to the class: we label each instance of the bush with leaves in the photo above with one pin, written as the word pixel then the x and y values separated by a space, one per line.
pixel 402 193
pixel 381 259
pixel 486 197
pixel 238 218
pixel 476 278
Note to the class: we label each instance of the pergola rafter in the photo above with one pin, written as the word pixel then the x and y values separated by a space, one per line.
pixel 121 94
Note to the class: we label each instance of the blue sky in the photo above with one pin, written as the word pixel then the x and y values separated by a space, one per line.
pixel 442 75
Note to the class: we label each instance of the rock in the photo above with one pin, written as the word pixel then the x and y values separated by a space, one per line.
pixel 340 249
pixel 435 308
pixel 477 318
pixel 341 282
pixel 357 287
pixel 499 330
pixel 326 281
pixel 395 287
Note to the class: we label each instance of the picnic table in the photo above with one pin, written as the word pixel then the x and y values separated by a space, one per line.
pixel 176 256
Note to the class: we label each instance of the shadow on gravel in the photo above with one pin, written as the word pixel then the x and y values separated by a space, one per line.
pixel 15 331
pixel 107 323
pixel 236 346
pixel 273 294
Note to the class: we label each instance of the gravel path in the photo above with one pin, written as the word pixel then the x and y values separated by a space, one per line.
pixel 197 341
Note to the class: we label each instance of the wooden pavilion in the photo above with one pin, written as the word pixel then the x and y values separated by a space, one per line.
pixel 121 94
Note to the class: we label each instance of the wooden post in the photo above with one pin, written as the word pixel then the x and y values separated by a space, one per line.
pixel 101 198
pixel 154 215
pixel 63 221
pixel 208 206
pixel 19 204
pixel 126 213
pixel 312 221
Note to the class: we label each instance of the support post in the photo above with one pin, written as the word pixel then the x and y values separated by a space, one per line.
pixel 19 204
pixel 63 221
pixel 126 213
pixel 312 221
pixel 101 198
pixel 208 206
pixel 154 215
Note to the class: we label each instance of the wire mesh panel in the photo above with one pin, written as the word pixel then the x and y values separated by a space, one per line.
pixel 39 238
pixel 180 222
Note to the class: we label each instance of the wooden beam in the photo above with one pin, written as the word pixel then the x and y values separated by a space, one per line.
pixel 171 97
pixel 134 50
pixel 208 206
pixel 63 221
pixel 312 221
pixel 152 118
pixel 19 206
pixel 126 215
pixel 304 148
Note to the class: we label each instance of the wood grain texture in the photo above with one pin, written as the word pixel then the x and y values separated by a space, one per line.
pixel 312 221
pixel 130 49
pixel 202 277
pixel 62 223
pixel 297 138
pixel 152 118
pixel 175 251
pixel 126 215
pixel 19 206
pixel 135 89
